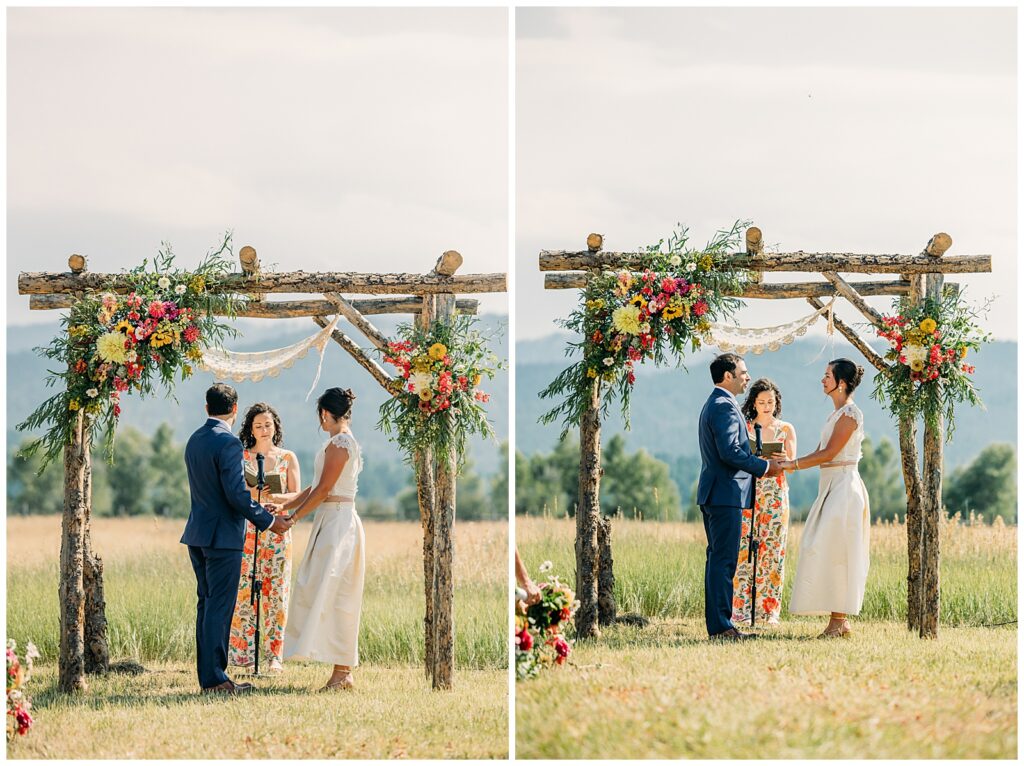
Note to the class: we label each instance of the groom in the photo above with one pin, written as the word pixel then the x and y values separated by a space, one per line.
pixel 726 487
pixel 215 533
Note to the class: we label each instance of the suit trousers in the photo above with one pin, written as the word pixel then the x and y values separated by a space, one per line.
pixel 217 572
pixel 723 525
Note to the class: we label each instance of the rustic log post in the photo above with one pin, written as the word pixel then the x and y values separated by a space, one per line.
pixel 931 478
pixel 588 514
pixel 250 263
pixel 444 522
pixel 915 494
pixel 607 608
pixel 594 242
pixel 97 650
pixel 448 263
pixel 77 263
pixel 755 247
pixel 425 495
pixel 71 673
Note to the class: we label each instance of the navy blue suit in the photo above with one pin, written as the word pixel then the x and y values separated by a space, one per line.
pixel 726 486
pixel 215 536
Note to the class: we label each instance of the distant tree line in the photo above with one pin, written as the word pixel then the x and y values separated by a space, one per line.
pixel 148 477
pixel 644 486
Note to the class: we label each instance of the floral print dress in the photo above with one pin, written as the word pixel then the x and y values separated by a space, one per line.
pixel 771 507
pixel 275 571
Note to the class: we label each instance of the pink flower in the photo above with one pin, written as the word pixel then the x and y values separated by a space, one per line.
pixel 524 639
pixel 191 333
pixel 700 308
pixel 156 309
pixel 668 285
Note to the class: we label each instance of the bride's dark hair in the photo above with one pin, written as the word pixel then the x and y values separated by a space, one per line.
pixel 846 371
pixel 337 401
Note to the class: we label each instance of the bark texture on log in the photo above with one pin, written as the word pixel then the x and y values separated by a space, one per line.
pixel 351 313
pixel 44 282
pixel 938 245
pixel 444 583
pixel 564 260
pixel 912 483
pixel 594 242
pixel 370 365
pixel 71 664
pixel 765 290
pixel 77 263
pixel 854 337
pixel 448 263
pixel 289 309
pixel 588 513
pixel 608 610
pixel 424 462
pixel 849 292
pixel 931 506
pixel 97 650
pixel 755 246
pixel 249 261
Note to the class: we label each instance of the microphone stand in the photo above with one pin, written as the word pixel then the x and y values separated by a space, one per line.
pixel 753 544
pixel 256 592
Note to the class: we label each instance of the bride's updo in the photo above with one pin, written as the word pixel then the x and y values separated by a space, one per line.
pixel 846 371
pixel 337 401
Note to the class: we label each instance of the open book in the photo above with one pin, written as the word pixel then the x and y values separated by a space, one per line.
pixel 273 483
pixel 768 449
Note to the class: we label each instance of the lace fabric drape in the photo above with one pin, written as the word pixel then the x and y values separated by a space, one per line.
pixel 256 365
pixel 757 340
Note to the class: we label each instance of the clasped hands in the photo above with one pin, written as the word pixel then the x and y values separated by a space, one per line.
pixel 281 523
pixel 777 467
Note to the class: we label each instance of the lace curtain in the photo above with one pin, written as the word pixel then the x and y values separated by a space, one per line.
pixel 757 340
pixel 239 366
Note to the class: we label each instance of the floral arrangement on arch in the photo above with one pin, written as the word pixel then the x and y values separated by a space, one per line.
pixel 661 307
pixel 149 326
pixel 19 720
pixel 928 372
pixel 439 403
pixel 539 642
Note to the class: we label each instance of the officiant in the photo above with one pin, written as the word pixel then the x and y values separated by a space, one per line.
pixel 262 434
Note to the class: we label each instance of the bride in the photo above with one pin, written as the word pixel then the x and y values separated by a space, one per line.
pixel 833 563
pixel 324 620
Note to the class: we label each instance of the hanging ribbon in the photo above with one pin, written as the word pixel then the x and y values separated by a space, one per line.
pixel 239 366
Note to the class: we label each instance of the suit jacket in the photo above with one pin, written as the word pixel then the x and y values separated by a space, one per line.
pixel 728 467
pixel 220 499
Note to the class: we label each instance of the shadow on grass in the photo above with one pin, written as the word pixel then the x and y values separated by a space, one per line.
pixel 677 634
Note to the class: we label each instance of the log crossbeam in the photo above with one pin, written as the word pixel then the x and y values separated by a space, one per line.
pixel 849 292
pixel 854 337
pixel 351 313
pixel 370 365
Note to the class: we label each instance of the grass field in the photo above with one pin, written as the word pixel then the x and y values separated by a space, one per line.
pixel 150 591
pixel 664 691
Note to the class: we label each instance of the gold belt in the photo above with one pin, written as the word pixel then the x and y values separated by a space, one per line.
pixel 840 464
pixel 339 499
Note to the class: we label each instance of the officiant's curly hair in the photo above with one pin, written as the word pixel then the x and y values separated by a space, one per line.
pixel 757 388
pixel 260 408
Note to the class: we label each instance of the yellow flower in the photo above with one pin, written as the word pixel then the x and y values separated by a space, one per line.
pixel 963 352
pixel 73 405
pixel 638 300
pixel 706 262
pixel 928 325
pixel 591 372
pixel 194 354
pixel 476 380
pixel 672 312
pixel 78 330
pixel 198 283
pixel 917 365
pixel 110 347
pixel 426 394
pixel 125 327
pixel 438 351
pixel 595 305
pixel 187 369
pixel 421 363
pixel 627 319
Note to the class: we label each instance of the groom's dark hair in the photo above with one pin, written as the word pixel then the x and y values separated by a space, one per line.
pixel 723 364
pixel 220 399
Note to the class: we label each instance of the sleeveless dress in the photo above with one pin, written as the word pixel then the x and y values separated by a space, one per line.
pixel 275 571
pixel 771 506
pixel 328 593
pixel 833 564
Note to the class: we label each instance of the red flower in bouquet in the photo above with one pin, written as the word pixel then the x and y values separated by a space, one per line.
pixel 156 309
pixel 191 333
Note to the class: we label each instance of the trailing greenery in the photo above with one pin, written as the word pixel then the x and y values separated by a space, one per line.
pixel 658 310
pixel 928 375
pixel 439 405
pixel 113 343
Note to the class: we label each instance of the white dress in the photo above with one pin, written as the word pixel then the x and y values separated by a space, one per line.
pixel 323 620
pixel 833 563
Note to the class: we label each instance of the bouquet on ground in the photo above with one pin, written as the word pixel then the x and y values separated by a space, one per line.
pixel 19 720
pixel 439 403
pixel 663 306
pixel 929 371
pixel 539 641
pixel 149 325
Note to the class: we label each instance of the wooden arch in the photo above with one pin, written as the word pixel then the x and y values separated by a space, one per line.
pixel 429 297
pixel 917 276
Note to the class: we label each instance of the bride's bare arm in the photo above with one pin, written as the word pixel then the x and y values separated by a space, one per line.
pixel 335 459
pixel 841 433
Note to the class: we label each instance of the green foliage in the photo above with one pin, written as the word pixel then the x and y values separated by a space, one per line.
pixel 927 375
pixel 660 315
pixel 987 486
pixel 883 476
pixel 438 405
pixel 33 487
pixel 90 381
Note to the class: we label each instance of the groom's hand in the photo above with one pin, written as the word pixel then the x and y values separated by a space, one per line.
pixel 272 507
pixel 774 468
pixel 281 525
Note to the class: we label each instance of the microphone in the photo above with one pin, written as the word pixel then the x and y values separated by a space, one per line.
pixel 757 445
pixel 261 477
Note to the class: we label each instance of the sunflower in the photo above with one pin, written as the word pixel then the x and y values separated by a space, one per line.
pixel 438 351
pixel 928 325
pixel 124 326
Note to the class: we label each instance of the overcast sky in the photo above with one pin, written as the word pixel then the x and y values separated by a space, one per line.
pixel 858 130
pixel 329 139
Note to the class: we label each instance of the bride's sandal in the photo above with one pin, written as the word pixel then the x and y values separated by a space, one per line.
pixel 839 631
pixel 345 682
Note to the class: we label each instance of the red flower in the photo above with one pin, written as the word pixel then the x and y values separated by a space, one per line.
pixel 525 640
pixel 156 309
pixel 668 285
pixel 700 308
pixel 191 333
pixel 463 382
pixel 81 366
pixel 480 396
